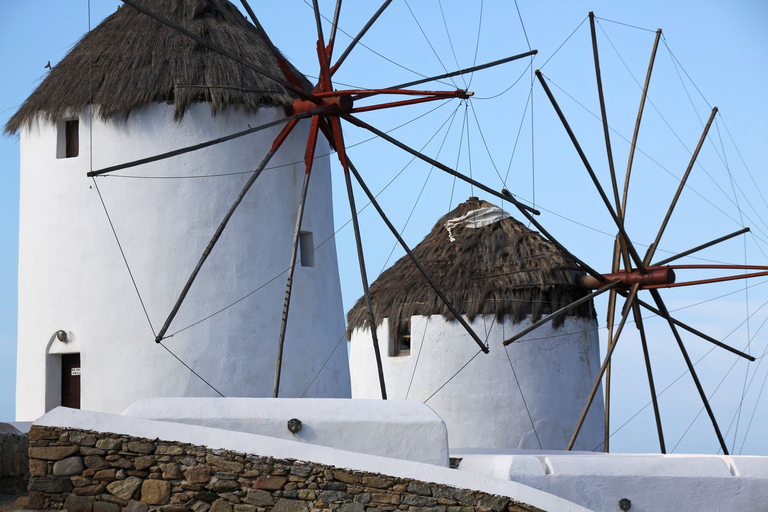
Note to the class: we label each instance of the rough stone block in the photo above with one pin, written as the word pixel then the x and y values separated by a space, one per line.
pixel 285 505
pixel 52 452
pixel 222 486
pixel 124 489
pixel 221 462
pixel 155 492
pixel 169 450
pixel 68 467
pixel 38 467
pixel 377 482
pixel 198 506
pixel 495 503
pixel 122 463
pixel 335 496
pixel 259 498
pixel 106 475
pixel 136 506
pixel 89 490
pixel 270 483
pixel 37 433
pixel 220 505
pixel 95 462
pixel 464 496
pixel 418 488
pixel 90 450
pixel 79 481
pixel 199 474
pixel 50 484
pixel 103 506
pixel 78 504
pixel 109 444
pixel 302 471
pixel 141 447
pixel 245 508
pixel 383 497
pixel 171 471
pixel 334 486
pixel 81 438
pixel 347 478
pixel 352 507
pixel 419 501
pixel 36 500
pixel 144 462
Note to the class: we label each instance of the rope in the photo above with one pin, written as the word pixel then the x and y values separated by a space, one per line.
pixel 193 371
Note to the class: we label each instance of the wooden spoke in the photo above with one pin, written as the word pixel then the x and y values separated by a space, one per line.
pixel 700 247
pixel 360 35
pixel 649 371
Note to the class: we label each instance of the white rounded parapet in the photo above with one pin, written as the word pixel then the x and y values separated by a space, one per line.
pixel 526 395
pixel 397 429
pixel 74 277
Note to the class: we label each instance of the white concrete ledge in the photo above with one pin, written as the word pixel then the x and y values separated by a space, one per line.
pixel 399 429
pixel 284 449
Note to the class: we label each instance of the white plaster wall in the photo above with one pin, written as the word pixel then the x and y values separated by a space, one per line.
pixel 484 405
pixel 284 449
pixel 652 482
pixel 72 275
pixel 398 429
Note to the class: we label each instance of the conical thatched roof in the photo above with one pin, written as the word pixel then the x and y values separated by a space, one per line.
pixel 502 269
pixel 135 60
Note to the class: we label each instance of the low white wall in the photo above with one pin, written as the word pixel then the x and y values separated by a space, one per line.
pixel 393 428
pixel 652 482
pixel 284 449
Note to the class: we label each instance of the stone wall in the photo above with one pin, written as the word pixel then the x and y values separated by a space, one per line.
pixel 14 463
pixel 85 471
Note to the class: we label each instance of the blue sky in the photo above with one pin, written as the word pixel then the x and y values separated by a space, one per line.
pixel 713 53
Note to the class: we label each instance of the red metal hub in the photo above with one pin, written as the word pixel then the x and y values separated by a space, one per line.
pixel 653 277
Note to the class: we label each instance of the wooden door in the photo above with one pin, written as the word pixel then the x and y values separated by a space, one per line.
pixel 70 380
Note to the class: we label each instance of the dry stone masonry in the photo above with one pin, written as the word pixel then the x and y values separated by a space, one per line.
pixel 85 471
pixel 14 464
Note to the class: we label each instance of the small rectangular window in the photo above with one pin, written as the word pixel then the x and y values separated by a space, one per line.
pixel 401 345
pixel 307 249
pixel 67 138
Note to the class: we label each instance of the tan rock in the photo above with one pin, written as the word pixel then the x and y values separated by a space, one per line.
pixel 199 474
pixel 52 452
pixel 270 483
pixel 220 505
pixel 124 489
pixel 155 492
pixel 38 467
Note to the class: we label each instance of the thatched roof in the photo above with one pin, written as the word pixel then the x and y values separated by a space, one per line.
pixel 135 60
pixel 502 269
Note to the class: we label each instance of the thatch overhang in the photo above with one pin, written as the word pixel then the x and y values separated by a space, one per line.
pixel 131 60
pixel 502 269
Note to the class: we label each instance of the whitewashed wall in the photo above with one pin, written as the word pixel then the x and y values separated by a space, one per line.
pixel 72 275
pixel 483 405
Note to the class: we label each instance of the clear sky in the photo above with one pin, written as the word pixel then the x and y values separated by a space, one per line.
pixel 713 54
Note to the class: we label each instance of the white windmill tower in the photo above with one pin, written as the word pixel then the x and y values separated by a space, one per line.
pixel 131 89
pixel 502 277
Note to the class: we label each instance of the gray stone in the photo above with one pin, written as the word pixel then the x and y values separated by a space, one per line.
pixel 226 475
pixel 120 475
pixel 220 505
pixel 79 481
pixel 364 498
pixel 90 450
pixel 291 494
pixel 78 504
pixel 419 501
pixel 139 447
pixel 188 461
pixel 334 496
pixel 155 492
pixel 103 506
pixel 95 462
pixel 427 509
pixel 68 467
pixel 106 475
pixel 136 506
pixel 334 486
pixel 125 489
pixel 82 438
pixel 466 497
pixel 418 488
pixel 222 486
pixel 285 505
pixel 171 471
pixel 495 503
pixel 352 507
pixel 109 444
pixel 245 508
pixel 439 492
pixel 52 452
pixel 302 471
pixel 50 484
pixel 259 497
pixel 122 463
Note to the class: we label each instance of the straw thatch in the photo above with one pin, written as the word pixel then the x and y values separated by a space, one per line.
pixel 135 61
pixel 503 269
